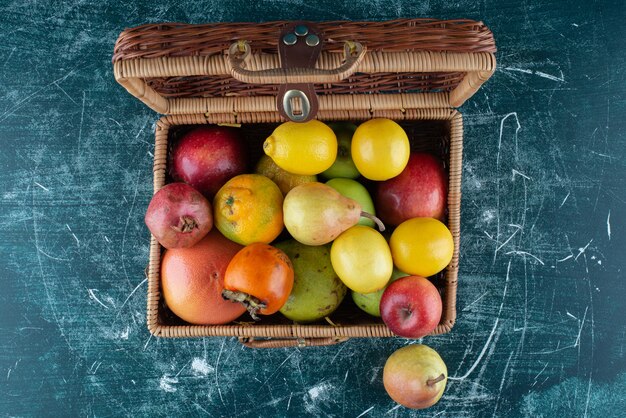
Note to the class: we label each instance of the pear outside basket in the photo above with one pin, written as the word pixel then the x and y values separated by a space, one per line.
pixel 413 71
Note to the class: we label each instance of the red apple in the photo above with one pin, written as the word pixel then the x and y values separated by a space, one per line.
pixel 419 191
pixel 411 307
pixel 207 157
pixel 179 216
pixel 415 376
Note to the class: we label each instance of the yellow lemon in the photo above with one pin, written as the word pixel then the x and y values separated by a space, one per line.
pixel 361 258
pixel 421 246
pixel 380 149
pixel 302 148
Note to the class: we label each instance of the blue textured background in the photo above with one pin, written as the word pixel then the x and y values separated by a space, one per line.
pixel 541 290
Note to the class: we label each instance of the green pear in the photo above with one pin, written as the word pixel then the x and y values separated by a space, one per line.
pixel 355 190
pixel 315 214
pixel 343 166
pixel 370 302
pixel 317 290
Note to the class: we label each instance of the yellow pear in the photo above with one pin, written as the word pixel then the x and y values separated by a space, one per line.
pixel 315 214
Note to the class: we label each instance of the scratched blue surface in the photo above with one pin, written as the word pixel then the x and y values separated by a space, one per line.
pixel 541 291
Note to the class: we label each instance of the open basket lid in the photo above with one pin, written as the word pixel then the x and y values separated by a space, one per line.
pixel 299 68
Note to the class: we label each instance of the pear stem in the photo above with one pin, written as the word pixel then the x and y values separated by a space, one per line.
pixel 379 223
pixel 431 382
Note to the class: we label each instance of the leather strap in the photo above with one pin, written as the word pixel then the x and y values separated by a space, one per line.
pixel 299 46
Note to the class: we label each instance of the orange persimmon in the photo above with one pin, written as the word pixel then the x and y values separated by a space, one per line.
pixel 260 277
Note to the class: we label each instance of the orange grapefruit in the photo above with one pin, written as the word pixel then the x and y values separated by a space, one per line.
pixel 192 280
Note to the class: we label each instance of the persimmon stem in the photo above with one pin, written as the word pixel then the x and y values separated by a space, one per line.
pixel 431 382
pixel 252 304
pixel 378 222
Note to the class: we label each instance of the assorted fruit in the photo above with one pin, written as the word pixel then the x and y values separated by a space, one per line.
pixel 278 241
pixel 301 244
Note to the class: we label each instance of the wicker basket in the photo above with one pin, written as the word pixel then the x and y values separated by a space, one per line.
pixel 414 71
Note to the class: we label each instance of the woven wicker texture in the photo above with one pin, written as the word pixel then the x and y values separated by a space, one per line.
pixel 438 131
pixel 404 56
pixel 409 70
pixel 221 86
pixel 179 40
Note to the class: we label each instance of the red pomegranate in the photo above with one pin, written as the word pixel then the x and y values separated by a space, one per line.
pixel 179 216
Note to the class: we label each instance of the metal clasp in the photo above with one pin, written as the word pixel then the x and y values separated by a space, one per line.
pixel 289 105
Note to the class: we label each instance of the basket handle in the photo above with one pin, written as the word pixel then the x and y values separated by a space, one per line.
pixel 251 342
pixel 239 51
pixel 299 47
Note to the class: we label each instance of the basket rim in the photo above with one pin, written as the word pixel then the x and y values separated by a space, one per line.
pixel 299 330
